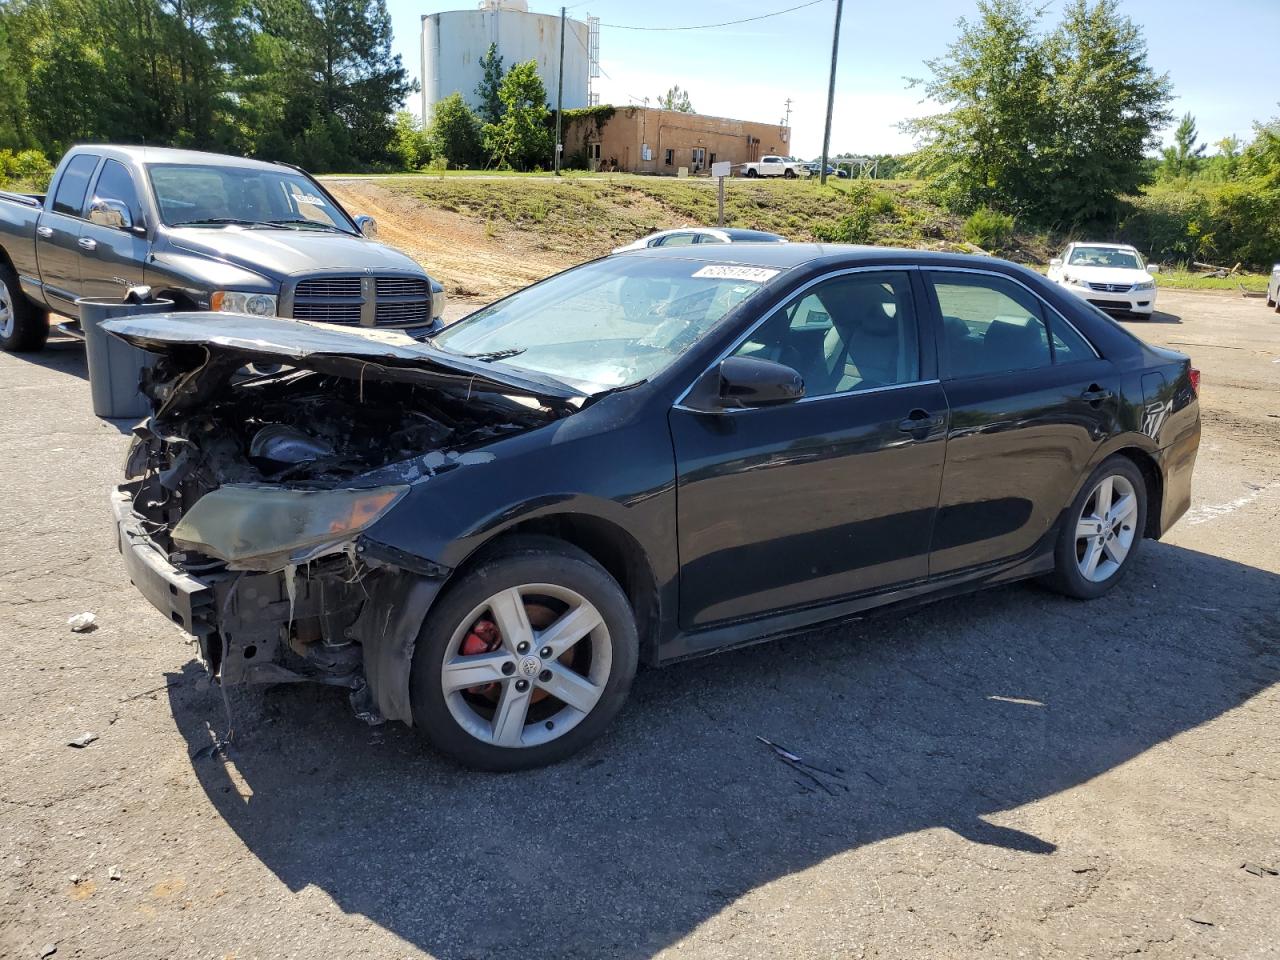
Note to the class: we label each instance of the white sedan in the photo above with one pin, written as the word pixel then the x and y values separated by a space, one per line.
pixel 687 235
pixel 1112 276
pixel 1273 288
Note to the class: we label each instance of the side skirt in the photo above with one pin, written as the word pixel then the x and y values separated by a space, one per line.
pixel 686 645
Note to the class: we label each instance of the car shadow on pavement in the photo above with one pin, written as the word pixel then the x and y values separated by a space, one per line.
pixel 63 354
pixel 1156 316
pixel 951 717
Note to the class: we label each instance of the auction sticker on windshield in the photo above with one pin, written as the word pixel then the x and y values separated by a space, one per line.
pixel 726 271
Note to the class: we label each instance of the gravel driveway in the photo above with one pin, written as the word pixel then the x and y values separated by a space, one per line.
pixel 1012 773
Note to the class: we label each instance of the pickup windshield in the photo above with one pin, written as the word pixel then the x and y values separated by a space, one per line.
pixel 606 324
pixel 214 195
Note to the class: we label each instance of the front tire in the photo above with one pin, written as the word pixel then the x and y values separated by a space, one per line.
pixel 1101 531
pixel 526 659
pixel 789 174
pixel 23 327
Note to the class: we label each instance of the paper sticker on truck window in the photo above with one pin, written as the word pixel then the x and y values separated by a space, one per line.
pixel 724 271
pixel 308 198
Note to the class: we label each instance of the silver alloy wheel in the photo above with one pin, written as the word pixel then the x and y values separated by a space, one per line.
pixel 1106 528
pixel 7 318
pixel 531 668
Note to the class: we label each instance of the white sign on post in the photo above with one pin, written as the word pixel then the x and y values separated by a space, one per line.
pixel 721 168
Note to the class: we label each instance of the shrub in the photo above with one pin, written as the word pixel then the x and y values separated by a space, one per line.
pixel 1234 222
pixel 987 228
pixel 852 228
pixel 27 168
pixel 883 204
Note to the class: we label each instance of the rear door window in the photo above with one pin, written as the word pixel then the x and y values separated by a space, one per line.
pixel 989 325
pixel 74 184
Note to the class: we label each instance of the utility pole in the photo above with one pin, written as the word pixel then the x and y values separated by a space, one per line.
pixel 831 92
pixel 560 99
pixel 786 120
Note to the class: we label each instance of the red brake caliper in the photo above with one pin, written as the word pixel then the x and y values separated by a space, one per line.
pixel 483 638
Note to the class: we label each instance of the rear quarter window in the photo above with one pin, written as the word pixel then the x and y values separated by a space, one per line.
pixel 74 184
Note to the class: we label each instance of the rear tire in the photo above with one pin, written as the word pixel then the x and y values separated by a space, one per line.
pixel 1101 531
pixel 751 173
pixel 495 701
pixel 24 328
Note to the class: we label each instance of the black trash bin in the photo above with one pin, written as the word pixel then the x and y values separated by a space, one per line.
pixel 115 367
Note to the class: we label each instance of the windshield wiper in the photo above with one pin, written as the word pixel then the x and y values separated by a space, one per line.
pixel 493 355
pixel 220 221
pixel 300 222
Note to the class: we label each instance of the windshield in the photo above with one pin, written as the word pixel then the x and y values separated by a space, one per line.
pixel 1105 257
pixel 214 195
pixel 606 324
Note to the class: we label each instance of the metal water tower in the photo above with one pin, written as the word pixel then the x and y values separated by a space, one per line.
pixel 454 41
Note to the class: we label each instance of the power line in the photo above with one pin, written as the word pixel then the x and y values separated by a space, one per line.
pixel 711 26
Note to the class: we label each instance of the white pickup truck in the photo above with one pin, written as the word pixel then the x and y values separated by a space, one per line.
pixel 788 167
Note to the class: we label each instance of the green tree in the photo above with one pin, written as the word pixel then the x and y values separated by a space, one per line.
pixel 522 140
pixel 1108 106
pixel 489 88
pixel 454 133
pixel 993 82
pixel 1182 159
pixel 409 142
pixel 676 99
pixel 13 93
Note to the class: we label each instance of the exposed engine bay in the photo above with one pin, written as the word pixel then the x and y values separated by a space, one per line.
pixel 247 496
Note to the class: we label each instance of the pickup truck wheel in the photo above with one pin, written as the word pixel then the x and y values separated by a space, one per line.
pixel 526 659
pixel 789 174
pixel 751 172
pixel 23 327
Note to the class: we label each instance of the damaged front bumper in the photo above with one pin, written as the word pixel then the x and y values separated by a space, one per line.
pixel 339 621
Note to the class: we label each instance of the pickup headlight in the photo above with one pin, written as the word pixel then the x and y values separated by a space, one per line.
pixel 240 301
pixel 1145 285
pixel 263 528
pixel 437 303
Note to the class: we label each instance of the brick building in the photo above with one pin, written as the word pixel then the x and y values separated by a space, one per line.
pixel 652 140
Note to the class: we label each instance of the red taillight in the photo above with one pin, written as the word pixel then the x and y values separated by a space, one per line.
pixel 1195 381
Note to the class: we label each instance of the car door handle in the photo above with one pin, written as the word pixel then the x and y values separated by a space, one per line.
pixel 1096 393
pixel 918 421
pixel 44 232
pixel 88 243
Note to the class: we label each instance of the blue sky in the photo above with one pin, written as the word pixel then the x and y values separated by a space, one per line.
pixel 1222 68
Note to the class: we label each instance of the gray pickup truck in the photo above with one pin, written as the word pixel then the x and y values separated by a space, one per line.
pixel 207 231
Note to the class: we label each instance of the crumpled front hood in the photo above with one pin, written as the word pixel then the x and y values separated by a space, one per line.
pixel 1118 275
pixel 285 252
pixel 339 350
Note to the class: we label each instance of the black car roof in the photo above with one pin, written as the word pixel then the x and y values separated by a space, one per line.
pixel 789 256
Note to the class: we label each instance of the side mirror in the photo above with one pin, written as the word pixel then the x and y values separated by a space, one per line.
pixel 367 226
pixel 748 382
pixel 1153 268
pixel 1055 262
pixel 110 213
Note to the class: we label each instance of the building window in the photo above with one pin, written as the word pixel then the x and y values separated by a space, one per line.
pixel 593 151
pixel 713 159
pixel 699 158
pixel 669 157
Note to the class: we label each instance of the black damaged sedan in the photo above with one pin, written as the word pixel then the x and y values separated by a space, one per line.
pixel 645 458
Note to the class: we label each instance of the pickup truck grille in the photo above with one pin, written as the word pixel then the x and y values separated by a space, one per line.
pixel 369 301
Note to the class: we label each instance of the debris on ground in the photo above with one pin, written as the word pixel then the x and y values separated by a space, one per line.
pixel 818 776
pixel 83 623
pixel 83 740
pixel 113 872
pixel 1258 870
pixel 1202 921
pixel 48 950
